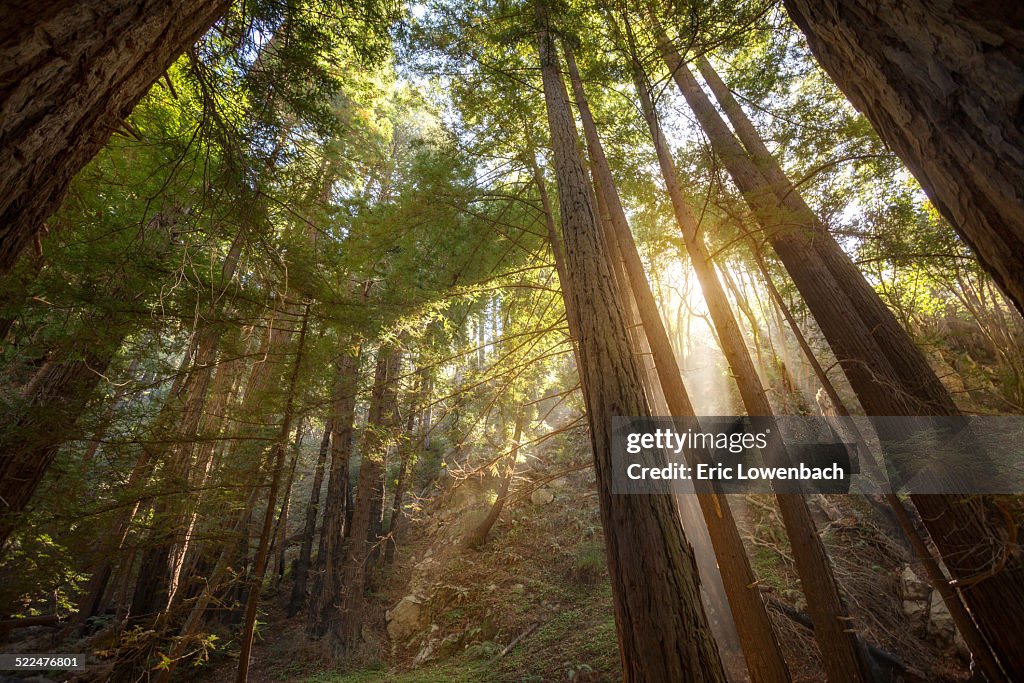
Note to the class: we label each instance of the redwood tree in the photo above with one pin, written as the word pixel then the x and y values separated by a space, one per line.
pixel 662 629
pixel 69 73
pixel 943 85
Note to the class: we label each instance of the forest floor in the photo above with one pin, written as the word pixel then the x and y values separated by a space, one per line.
pixel 534 604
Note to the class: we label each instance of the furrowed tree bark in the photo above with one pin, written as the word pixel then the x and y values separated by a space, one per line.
pixel 973 638
pixel 885 368
pixel 942 84
pixel 760 646
pixel 70 72
pixel 662 629
pixel 346 621
pixel 919 384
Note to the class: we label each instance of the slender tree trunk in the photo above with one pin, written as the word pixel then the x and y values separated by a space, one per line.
pixel 942 84
pixel 407 457
pixel 327 584
pixel 844 662
pixel 281 527
pixel 69 73
pixel 813 566
pixel 662 629
pixel 298 598
pixel 478 536
pixel 950 596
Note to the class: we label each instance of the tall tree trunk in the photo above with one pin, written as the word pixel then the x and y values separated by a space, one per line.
pixel 69 73
pixel 346 622
pixel 942 83
pixel 54 399
pixel 887 371
pixel 757 638
pixel 407 457
pixel 327 583
pixel 281 527
pixel 298 598
pixel 663 632
pixel 844 662
pixel 263 550
pixel 973 638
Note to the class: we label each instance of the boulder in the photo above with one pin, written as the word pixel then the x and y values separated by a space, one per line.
pixel 405 618
pixel 542 497
pixel 911 587
pixel 940 623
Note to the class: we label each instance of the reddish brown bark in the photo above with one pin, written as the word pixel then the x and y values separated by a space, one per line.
pixel 662 629
pixel 327 585
pixel 345 622
pixel 70 72
pixel 942 83
pixel 887 371
pixel 757 638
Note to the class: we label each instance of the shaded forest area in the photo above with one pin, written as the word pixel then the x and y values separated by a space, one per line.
pixel 315 316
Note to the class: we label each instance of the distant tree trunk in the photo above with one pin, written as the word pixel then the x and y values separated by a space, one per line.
pixel 54 399
pixel 407 457
pixel 228 554
pixel 942 83
pixel 478 536
pixel 327 586
pixel 281 527
pixel 173 439
pixel 663 632
pixel 59 391
pixel 888 372
pixel 263 550
pixel 298 598
pixel 346 620
pixel 70 72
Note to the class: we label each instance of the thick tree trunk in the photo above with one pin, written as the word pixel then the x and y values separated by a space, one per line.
pixel 70 72
pixel 757 638
pixel 662 629
pixel 943 84
pixel 347 617
pixel 327 585
pixel 887 371
pixel 300 580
